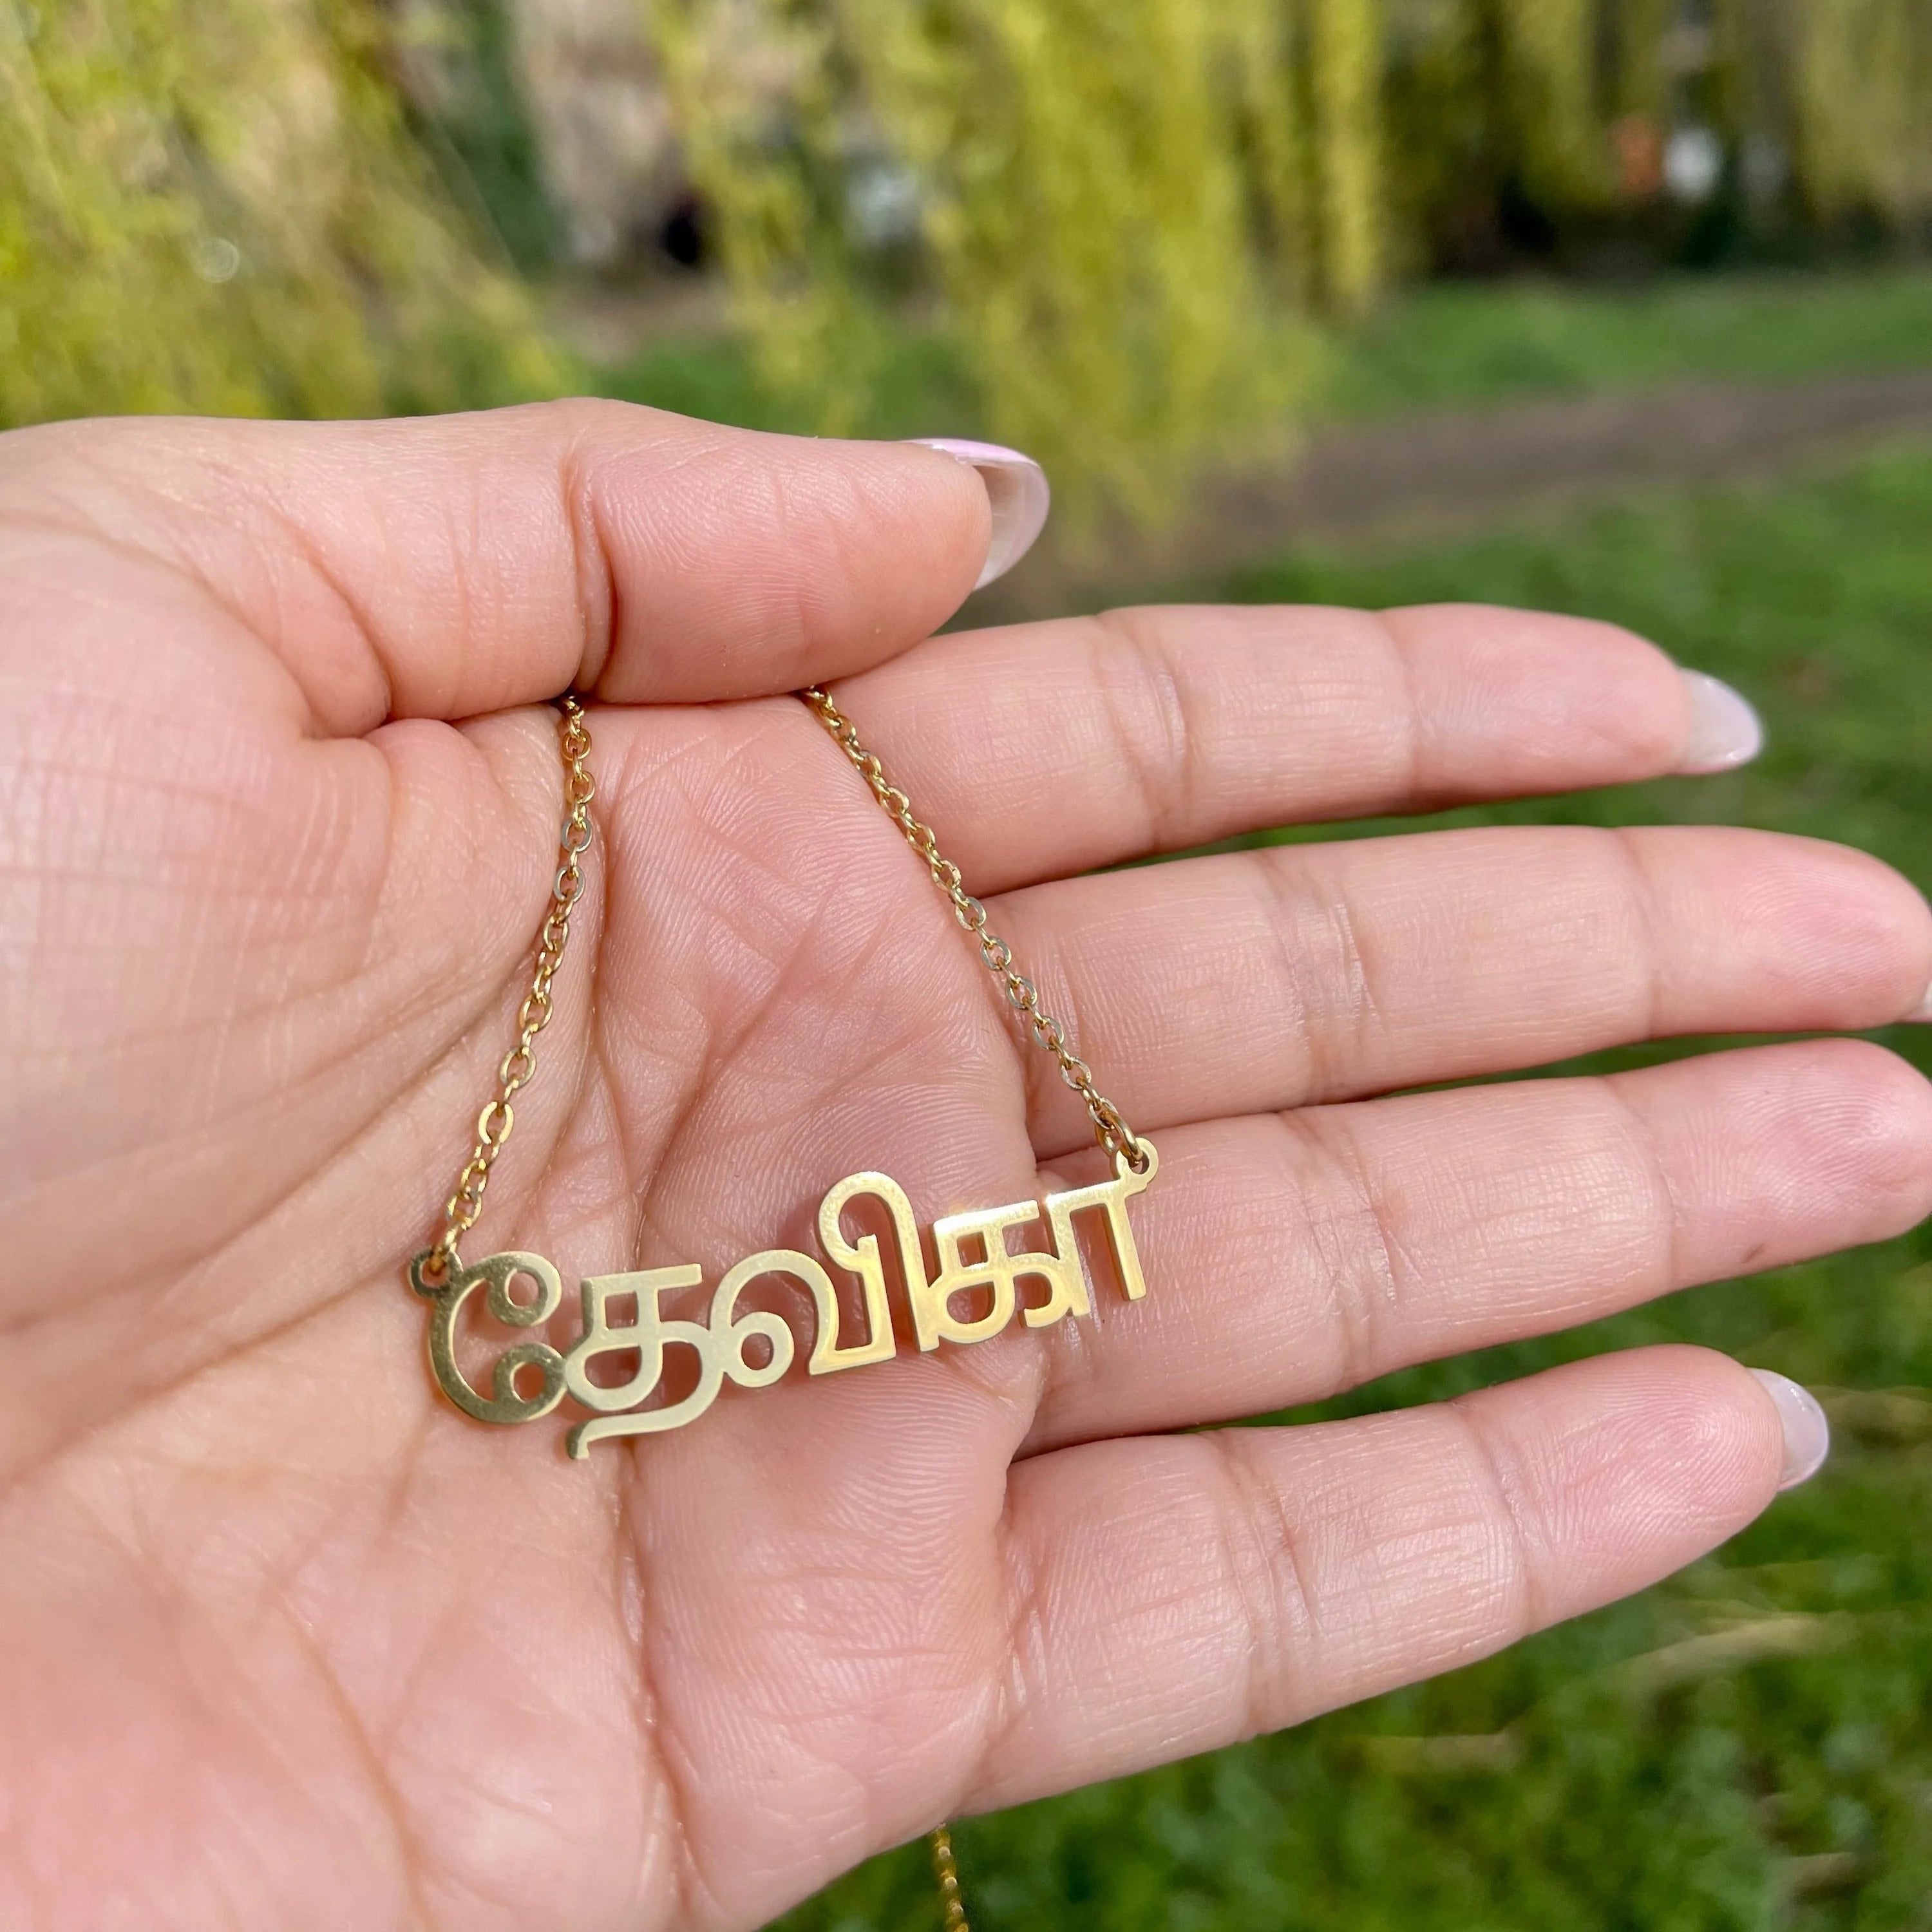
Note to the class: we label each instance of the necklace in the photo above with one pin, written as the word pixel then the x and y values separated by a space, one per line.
pixel 530 1379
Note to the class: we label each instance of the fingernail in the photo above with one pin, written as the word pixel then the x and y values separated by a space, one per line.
pixel 1922 1013
pixel 1017 488
pixel 1725 731
pixel 1808 1435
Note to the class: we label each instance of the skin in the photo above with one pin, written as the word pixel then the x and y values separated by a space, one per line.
pixel 285 1642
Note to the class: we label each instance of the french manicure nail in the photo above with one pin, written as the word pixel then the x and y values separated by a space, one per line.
pixel 1808 1435
pixel 1017 488
pixel 1922 1013
pixel 1726 731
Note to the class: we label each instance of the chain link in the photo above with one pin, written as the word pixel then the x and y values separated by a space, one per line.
pixel 1110 1129
pixel 518 1066
pixel 947 1874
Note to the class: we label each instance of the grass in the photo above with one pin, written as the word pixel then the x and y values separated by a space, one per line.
pixel 1747 1748
pixel 1456 345
pixel 1451 346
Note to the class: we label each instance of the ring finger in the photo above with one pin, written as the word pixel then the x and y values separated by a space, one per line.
pixel 1288 1257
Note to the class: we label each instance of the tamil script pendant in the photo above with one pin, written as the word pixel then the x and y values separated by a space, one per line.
pixel 531 1378
pixel 622 1314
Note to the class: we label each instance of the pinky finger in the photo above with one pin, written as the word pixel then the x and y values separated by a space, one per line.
pixel 1178 1594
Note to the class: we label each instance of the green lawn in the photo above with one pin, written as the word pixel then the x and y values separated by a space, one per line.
pixel 1460 344
pixel 1457 345
pixel 1750 1745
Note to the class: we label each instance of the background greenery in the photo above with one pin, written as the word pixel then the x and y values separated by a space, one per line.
pixel 1453 344
pixel 217 205
pixel 1131 215
pixel 1127 228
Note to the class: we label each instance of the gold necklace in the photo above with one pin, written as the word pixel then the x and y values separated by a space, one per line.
pixel 528 1379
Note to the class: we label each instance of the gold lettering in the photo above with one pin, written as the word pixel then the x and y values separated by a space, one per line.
pixel 504 1405
pixel 862 1259
pixel 1111 1197
pixel 650 1334
pixel 973 1254
pixel 998 1269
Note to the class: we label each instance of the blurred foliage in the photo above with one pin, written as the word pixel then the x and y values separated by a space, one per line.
pixel 1748 1746
pixel 460 66
pixel 216 206
pixel 1446 345
pixel 1128 211
pixel 1125 210
pixel 1125 229
pixel 1862 83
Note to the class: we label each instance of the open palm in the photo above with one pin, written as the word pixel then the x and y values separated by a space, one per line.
pixel 286 1642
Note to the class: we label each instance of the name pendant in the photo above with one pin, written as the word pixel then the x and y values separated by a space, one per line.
pixel 529 1379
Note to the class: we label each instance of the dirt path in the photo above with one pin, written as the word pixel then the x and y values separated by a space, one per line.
pixel 1439 475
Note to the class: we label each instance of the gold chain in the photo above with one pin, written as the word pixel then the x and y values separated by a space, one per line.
pixel 947 1873
pixel 1110 1129
pixel 514 1072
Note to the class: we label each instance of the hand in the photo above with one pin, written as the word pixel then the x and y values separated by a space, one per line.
pixel 285 1642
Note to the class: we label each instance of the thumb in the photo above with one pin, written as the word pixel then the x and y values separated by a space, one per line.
pixel 445 567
